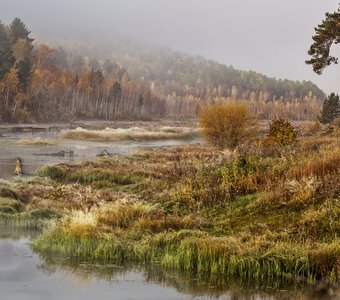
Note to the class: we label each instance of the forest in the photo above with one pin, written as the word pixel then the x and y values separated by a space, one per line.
pixel 129 80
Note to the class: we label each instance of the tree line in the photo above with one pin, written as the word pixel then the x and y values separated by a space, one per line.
pixel 41 83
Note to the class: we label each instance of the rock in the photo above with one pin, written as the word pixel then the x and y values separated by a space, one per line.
pixel 104 153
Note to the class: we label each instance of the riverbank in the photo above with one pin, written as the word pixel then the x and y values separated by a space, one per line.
pixel 253 214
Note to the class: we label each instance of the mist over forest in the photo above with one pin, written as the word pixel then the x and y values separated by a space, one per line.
pixel 124 79
pixel 265 36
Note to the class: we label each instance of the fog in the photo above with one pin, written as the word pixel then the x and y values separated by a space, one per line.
pixel 267 36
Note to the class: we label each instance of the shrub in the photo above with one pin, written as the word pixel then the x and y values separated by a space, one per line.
pixel 282 132
pixel 227 125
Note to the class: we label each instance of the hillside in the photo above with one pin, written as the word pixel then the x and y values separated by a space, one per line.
pixel 122 79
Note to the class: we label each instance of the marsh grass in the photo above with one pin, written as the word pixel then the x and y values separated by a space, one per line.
pixel 132 133
pixel 11 206
pixel 127 232
pixel 101 176
pixel 18 207
pixel 189 250
pixel 36 142
pixel 199 210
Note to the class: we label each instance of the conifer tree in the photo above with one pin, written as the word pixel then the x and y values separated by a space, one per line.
pixel 326 34
pixel 19 30
pixel 7 58
pixel 330 109
pixel 24 68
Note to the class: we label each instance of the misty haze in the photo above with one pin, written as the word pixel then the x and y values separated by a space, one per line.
pixel 169 149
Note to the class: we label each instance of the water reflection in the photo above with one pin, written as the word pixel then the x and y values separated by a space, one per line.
pixel 85 273
pixel 28 275
pixel 16 232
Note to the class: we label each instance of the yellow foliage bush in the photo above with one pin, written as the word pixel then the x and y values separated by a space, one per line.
pixel 227 125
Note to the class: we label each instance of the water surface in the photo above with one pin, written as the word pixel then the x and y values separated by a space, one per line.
pixel 33 156
pixel 24 275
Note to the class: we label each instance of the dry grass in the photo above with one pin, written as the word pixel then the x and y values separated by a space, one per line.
pixel 36 142
pixel 133 133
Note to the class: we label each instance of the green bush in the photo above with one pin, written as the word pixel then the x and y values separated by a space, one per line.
pixel 282 132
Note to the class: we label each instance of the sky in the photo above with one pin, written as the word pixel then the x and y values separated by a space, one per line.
pixel 266 36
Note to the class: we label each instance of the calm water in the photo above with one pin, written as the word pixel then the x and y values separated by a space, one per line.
pixel 23 275
pixel 26 275
pixel 10 149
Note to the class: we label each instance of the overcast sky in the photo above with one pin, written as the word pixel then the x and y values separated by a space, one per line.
pixel 267 36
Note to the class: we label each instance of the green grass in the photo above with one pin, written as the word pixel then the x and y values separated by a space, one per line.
pixel 99 177
pixel 198 252
pixel 139 232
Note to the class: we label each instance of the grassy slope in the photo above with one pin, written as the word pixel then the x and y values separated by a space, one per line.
pixel 198 209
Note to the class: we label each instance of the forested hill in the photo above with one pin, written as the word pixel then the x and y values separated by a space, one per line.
pixel 163 65
pixel 188 81
pixel 120 79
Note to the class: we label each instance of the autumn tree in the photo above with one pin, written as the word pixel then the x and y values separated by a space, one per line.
pixel 9 91
pixel 326 34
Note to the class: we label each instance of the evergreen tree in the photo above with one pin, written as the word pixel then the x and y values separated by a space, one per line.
pixel 330 109
pixel 19 30
pixel 7 58
pixel 24 68
pixel 4 42
pixel 116 90
pixel 326 34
